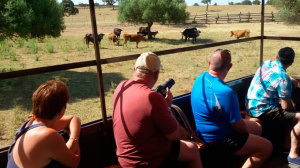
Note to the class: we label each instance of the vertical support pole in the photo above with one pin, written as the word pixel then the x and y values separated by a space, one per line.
pixel 206 18
pixel 97 55
pixel 262 21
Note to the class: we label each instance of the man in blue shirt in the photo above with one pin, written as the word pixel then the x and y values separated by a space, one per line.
pixel 270 85
pixel 217 115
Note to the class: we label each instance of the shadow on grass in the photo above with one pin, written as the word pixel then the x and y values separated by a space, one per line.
pixel 180 41
pixel 82 85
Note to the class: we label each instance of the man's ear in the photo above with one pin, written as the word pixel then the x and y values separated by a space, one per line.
pixel 209 63
pixel 156 74
pixel 229 66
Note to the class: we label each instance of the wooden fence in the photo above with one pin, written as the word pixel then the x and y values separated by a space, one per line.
pixel 232 18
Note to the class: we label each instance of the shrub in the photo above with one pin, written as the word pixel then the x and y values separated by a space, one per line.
pixel 50 48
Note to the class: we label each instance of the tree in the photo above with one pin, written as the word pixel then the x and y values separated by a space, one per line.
pixel 150 11
pixel 289 10
pixel 26 18
pixel 246 2
pixel 256 2
pixel 230 3
pixel 206 2
pixel 196 4
pixel 69 8
pixel 15 18
pixel 110 2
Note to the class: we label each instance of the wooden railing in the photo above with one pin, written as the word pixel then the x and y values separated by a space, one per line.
pixel 232 18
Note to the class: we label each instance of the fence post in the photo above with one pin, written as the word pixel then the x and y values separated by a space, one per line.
pixel 249 16
pixel 240 17
pixel 273 20
pixel 217 18
pixel 205 17
pixel 227 18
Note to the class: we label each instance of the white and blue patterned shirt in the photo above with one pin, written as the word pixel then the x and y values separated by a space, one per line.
pixel 269 84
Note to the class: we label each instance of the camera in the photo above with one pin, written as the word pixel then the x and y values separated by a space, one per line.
pixel 163 87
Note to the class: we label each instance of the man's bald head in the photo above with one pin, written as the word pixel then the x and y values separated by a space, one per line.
pixel 220 60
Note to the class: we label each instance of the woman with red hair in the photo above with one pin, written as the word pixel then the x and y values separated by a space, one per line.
pixel 37 142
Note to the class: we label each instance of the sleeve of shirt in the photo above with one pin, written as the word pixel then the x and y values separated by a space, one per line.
pixel 234 108
pixel 161 115
pixel 285 88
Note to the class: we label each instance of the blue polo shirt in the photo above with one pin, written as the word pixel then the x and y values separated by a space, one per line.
pixel 269 84
pixel 208 95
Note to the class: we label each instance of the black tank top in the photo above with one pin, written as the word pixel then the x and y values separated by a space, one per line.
pixel 11 163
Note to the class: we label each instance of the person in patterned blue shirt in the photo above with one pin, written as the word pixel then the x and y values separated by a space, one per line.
pixel 269 98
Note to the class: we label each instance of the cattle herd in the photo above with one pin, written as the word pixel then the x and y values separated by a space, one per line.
pixel 143 32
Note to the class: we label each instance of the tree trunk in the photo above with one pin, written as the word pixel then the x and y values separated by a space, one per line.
pixel 206 7
pixel 149 31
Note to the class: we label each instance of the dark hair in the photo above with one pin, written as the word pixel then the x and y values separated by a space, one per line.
pixel 49 99
pixel 221 63
pixel 286 55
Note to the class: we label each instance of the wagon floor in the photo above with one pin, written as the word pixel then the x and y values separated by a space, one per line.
pixel 278 161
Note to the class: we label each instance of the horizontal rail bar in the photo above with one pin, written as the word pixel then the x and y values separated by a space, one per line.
pixel 176 50
pixel 282 38
pixel 33 71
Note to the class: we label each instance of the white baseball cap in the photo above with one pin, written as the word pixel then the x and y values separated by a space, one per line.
pixel 147 62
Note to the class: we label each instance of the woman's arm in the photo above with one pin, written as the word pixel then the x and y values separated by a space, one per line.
pixel 58 150
pixel 72 125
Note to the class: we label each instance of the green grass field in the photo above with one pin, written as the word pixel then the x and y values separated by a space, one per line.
pixel 15 94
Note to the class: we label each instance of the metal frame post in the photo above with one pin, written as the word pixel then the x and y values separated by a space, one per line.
pixel 98 60
pixel 262 21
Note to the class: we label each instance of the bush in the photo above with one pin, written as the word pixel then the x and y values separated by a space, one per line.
pixel 32 46
pixel 50 48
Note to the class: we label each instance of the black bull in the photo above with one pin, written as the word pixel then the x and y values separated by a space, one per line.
pixel 191 33
pixel 117 32
pixel 89 38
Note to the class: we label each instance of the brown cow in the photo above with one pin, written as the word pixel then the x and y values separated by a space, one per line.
pixel 154 33
pixel 112 37
pixel 240 33
pixel 133 38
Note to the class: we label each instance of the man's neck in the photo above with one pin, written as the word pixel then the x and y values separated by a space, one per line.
pixel 144 80
pixel 217 74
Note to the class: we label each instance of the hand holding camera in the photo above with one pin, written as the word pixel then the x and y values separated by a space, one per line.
pixel 163 87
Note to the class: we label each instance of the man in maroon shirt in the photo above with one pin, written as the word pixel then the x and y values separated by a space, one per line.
pixel 145 131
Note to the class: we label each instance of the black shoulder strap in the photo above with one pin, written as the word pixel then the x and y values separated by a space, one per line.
pixel 23 130
pixel 184 119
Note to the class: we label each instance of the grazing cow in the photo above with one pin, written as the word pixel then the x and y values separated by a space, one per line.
pixel 143 30
pixel 240 33
pixel 117 32
pixel 142 33
pixel 112 37
pixel 191 33
pixel 89 38
pixel 154 33
pixel 133 38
